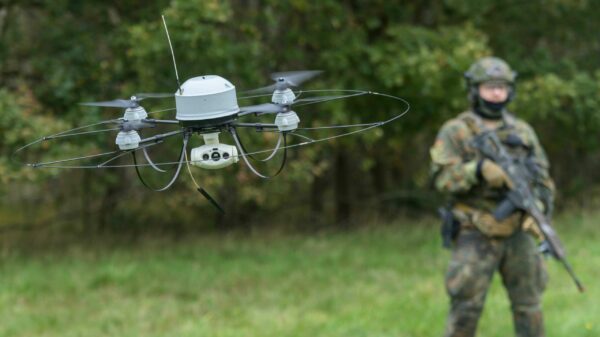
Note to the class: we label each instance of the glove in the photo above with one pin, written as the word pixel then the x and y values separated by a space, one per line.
pixel 544 248
pixel 529 225
pixel 493 174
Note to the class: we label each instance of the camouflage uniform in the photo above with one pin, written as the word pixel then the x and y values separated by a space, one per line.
pixel 484 245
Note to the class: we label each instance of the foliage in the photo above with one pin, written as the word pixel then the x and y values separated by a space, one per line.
pixel 19 124
pixel 59 53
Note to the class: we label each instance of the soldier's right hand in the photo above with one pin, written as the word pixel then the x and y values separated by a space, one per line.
pixel 544 248
pixel 494 175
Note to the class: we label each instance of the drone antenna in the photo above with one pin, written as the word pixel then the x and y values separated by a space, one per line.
pixel 172 54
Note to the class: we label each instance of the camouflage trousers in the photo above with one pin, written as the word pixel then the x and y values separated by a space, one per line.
pixel 475 258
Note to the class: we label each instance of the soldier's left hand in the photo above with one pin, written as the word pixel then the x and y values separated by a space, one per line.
pixel 494 175
pixel 529 225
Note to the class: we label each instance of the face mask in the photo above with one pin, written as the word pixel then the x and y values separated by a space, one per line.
pixel 488 109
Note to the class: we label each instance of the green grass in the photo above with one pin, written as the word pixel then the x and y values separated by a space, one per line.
pixel 380 281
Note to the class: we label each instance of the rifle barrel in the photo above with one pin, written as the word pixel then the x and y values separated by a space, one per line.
pixel 578 283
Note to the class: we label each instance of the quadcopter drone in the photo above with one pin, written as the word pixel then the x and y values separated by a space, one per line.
pixel 208 106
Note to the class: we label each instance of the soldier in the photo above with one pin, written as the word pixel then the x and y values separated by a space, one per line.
pixel 480 244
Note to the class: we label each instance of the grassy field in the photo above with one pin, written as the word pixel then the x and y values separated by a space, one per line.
pixel 380 281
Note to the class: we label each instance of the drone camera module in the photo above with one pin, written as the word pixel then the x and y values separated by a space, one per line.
pixel 206 98
pixel 214 157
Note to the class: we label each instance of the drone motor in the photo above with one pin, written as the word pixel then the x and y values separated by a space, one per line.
pixel 128 140
pixel 287 121
pixel 285 96
pixel 135 114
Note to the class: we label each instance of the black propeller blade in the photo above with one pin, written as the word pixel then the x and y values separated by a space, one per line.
pixel 295 78
pixel 266 108
pixel 318 99
pixel 284 80
pixel 133 102
pixel 262 108
pixel 144 95
pixel 117 103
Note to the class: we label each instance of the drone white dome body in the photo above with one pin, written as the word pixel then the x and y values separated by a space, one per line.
pixel 205 98
pixel 128 140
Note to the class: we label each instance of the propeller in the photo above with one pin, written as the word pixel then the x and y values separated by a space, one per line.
pixel 318 99
pixel 284 80
pixel 263 108
pixel 133 102
pixel 268 108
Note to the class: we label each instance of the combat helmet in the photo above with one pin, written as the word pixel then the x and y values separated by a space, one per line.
pixel 489 69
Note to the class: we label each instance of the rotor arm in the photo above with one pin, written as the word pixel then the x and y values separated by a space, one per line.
pixel 160 137
pixel 137 125
pixel 257 126
pixel 261 109
pixel 161 121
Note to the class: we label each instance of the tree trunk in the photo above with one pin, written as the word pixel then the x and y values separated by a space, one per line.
pixel 317 191
pixel 342 189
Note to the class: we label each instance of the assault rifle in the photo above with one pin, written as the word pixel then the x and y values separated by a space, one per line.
pixel 520 196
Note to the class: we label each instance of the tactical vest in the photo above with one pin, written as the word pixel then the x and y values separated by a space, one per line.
pixel 474 208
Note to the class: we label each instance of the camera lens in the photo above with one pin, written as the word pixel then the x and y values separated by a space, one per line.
pixel 215 156
pixel 225 155
pixel 205 156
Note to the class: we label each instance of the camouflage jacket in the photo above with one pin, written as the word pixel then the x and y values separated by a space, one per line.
pixel 454 161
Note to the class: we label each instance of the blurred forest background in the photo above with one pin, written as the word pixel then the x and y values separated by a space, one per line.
pixel 55 54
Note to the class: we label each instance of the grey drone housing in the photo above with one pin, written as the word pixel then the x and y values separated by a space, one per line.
pixel 205 100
